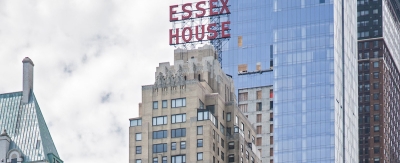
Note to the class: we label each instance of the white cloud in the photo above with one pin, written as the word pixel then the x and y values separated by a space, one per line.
pixel 91 59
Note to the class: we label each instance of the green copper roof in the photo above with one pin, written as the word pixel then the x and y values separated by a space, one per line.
pixel 26 127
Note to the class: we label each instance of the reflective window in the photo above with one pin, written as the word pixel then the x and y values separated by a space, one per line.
pixel 159 148
pixel 162 120
pixel 164 103
pixel 178 118
pixel 160 134
pixel 180 102
pixel 155 104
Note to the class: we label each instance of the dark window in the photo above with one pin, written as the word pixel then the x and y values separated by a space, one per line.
pixel 164 104
pixel 160 134
pixel 376 75
pixel 259 106
pixel 231 158
pixel 376 139
pixel 271 105
pixel 376 85
pixel 14 160
pixel 183 145
pixel 321 1
pixel 155 104
pixel 366 77
pixel 231 145
pixel 138 149
pixel 366 55
pixel 222 156
pixel 180 132
pixel 159 148
pixel 376 107
pixel 173 146
pixel 199 142
pixel 179 102
pixel 376 150
pixel 376 117
pixel 367 98
pixel 376 96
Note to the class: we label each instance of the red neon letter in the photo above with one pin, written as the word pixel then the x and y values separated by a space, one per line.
pixel 203 10
pixel 212 6
pixel 202 33
pixel 189 12
pixel 225 28
pixel 171 36
pixel 210 30
pixel 224 7
pixel 172 12
pixel 184 34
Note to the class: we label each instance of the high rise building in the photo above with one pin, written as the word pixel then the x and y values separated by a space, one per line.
pixel 25 137
pixel 313 46
pixel 378 78
pixel 257 105
pixel 190 114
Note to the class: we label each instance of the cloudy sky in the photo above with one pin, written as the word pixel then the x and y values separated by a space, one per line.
pixel 91 58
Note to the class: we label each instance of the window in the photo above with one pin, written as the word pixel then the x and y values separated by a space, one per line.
pixel 155 104
pixel 376 117
pixel 375 11
pixel 164 159
pixel 376 32
pixel 138 149
pixel 199 142
pixel 222 128
pixel 366 55
pixel 203 115
pixel 228 131
pixel 321 1
pixel 253 140
pixel 376 150
pixel 136 122
pixel 259 129
pixel 183 145
pixel 376 128
pixel 376 85
pixel 178 159
pixel 201 104
pixel 178 118
pixel 258 142
pixel 231 145
pixel 199 156
pixel 376 54
pixel 159 120
pixel 366 77
pixel 259 95
pixel 159 148
pixel 241 148
pixel 228 117
pixel 259 106
pixel 243 96
pixel 164 104
pixel 243 107
pixel 271 105
pixel 155 160
pixel 376 75
pixel 222 156
pixel 199 130
pixel 376 160
pixel 179 102
pixel 376 96
pixel 375 22
pixel 138 136
pixel 242 126
pixel 376 107
pixel 173 146
pixel 247 154
pixel 236 120
pixel 159 134
pixel 366 86
pixel 367 98
pixel 213 146
pixel 258 117
pixel 376 139
pixel 222 143
pixel 180 132
pixel 376 44
pixel 231 158
pixel 138 161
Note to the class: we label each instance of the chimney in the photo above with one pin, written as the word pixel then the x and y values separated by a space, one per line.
pixel 27 79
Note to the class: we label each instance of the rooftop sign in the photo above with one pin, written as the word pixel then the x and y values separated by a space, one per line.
pixel 195 22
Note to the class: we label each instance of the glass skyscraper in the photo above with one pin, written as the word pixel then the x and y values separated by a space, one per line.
pixel 313 44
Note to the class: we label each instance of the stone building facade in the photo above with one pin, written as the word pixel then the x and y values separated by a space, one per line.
pixel 190 114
